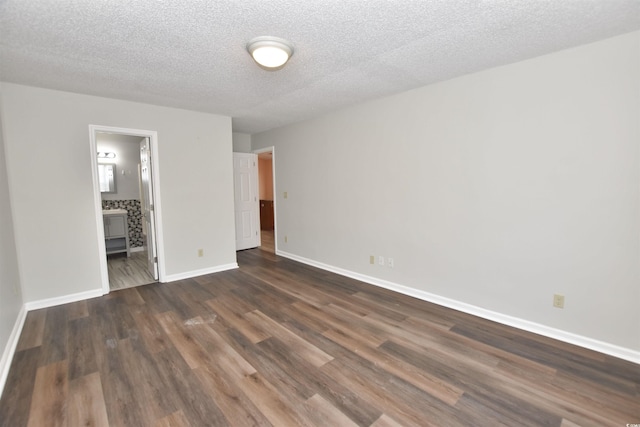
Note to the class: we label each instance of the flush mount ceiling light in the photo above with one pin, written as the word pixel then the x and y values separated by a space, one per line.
pixel 271 53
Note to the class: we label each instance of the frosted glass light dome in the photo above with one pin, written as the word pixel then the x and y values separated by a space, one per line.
pixel 270 52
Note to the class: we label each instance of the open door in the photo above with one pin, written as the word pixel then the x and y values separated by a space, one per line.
pixel 245 183
pixel 147 207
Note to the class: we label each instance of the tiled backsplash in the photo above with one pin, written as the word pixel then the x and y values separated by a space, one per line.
pixel 134 218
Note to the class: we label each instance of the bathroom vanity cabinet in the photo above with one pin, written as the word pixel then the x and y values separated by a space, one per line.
pixel 116 231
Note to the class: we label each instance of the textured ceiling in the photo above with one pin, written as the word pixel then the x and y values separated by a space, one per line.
pixel 191 53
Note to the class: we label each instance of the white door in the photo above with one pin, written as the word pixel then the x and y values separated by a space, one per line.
pixel 147 207
pixel 245 183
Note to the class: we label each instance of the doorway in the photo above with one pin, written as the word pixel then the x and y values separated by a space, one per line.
pixel 128 213
pixel 266 186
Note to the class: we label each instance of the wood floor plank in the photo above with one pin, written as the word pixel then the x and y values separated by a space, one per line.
pixel 153 299
pixel 585 406
pixel 235 303
pixel 54 336
pixel 49 402
pixel 119 394
pixel 220 353
pixel 33 330
pixel 176 304
pixel 176 419
pixel 82 360
pixel 250 285
pixel 121 317
pixel 314 355
pixel 393 397
pixel 102 323
pixel 182 339
pixel 436 387
pixel 131 296
pixel 324 413
pixel 271 403
pixel 191 290
pixel 528 347
pixel 217 284
pixel 18 390
pixel 234 317
pixel 297 287
pixel 86 402
pixel 386 421
pixel 151 397
pixel 289 364
pixel 150 330
pixel 77 310
pixel 596 397
pixel 187 391
pixel 237 408
pixel 491 395
pixel 336 320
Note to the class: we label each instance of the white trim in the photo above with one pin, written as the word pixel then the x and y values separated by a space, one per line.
pixel 536 328
pixel 195 273
pixel 153 141
pixel 137 249
pixel 65 299
pixel 97 202
pixel 10 348
pixel 272 150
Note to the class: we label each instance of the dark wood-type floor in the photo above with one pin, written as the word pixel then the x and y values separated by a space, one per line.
pixel 280 343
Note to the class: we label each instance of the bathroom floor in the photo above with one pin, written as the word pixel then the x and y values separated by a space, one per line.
pixel 128 272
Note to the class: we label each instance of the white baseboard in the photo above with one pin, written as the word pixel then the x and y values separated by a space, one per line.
pixel 558 334
pixel 65 299
pixel 10 348
pixel 202 272
pixel 137 249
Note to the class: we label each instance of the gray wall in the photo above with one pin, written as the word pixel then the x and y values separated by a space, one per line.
pixel 496 189
pixel 10 290
pixel 49 167
pixel 241 142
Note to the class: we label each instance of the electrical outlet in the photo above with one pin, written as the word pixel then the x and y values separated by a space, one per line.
pixel 372 259
pixel 558 301
pixel 200 252
pixel 390 262
pixel 286 239
pixel 286 194
pixel 380 260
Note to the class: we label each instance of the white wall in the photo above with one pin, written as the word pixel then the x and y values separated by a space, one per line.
pixel 127 150
pixel 496 189
pixel 49 167
pixel 10 291
pixel 241 142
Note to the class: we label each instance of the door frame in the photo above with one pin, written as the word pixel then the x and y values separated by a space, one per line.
pixel 102 252
pixel 272 150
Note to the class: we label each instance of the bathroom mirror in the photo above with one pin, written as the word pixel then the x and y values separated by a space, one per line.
pixel 107 176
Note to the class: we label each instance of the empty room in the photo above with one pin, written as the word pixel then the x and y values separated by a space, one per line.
pixel 283 213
